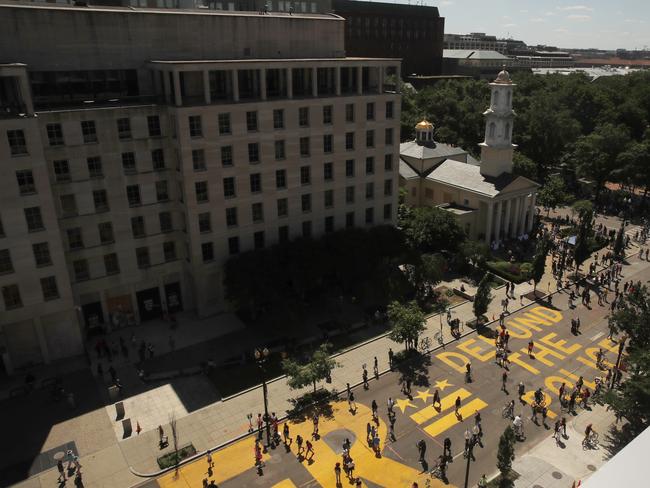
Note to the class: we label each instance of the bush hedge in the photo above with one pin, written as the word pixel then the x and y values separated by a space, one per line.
pixel 515 272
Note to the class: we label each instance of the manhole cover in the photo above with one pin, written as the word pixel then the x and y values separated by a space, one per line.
pixel 557 475
pixel 538 486
pixel 591 467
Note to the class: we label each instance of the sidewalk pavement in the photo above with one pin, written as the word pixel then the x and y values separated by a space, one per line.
pixel 220 422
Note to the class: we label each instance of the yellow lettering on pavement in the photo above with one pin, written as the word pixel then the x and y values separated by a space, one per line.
pixel 451 419
pixel 541 352
pixel 454 359
pixel 548 313
pixel 516 358
pixel 553 383
pixel 560 344
pixel 475 351
pixel 446 402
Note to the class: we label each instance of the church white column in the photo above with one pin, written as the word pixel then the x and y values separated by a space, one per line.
pixel 533 200
pixel 488 225
pixel 506 219
pixel 497 223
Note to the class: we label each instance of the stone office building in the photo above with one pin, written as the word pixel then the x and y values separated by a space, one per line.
pixel 133 170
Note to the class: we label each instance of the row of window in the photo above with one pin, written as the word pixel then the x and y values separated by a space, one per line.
pixel 13 300
pixel 224 122
pixel 42 257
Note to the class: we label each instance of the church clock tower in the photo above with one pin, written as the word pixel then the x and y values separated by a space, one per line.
pixel 497 148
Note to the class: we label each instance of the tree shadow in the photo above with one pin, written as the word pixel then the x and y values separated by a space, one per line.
pixel 616 439
pixel 414 367
pixel 305 406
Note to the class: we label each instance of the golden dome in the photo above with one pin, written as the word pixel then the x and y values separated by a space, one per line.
pixel 503 77
pixel 424 124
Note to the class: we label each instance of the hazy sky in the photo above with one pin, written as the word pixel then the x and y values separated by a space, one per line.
pixel 604 24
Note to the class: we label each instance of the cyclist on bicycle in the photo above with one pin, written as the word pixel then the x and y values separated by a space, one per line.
pixel 589 430
pixel 518 424
pixel 510 408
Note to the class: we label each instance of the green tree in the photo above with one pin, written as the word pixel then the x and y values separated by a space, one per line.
pixel 632 400
pixel 426 272
pixel 471 253
pixel 585 230
pixel 482 298
pixel 407 323
pixel 539 261
pixel 524 166
pixel 553 194
pixel 506 452
pixel 619 243
pixel 317 368
pixel 431 229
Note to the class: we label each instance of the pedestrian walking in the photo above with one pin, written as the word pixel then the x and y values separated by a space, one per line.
pixel 299 441
pixel 364 377
pixel 373 405
pixel 504 380
pixel 351 403
pixel 422 449
pixel 285 434
pixel 560 392
pixel 457 404
pixel 390 358
pixel 531 345
pixel 391 406
pixel 314 434
pixel 337 473
pixel 375 444
pixel 209 459
pixel 258 454
pixel 309 450
pixel 446 448
pixel 436 399
pixel 477 422
pixel 407 386
pixel 368 431
pixel 521 389
pixel 482 482
pixel 563 425
pixel 506 339
pixel 376 368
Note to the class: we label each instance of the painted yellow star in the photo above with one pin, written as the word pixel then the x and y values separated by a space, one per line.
pixel 402 404
pixel 441 385
pixel 423 395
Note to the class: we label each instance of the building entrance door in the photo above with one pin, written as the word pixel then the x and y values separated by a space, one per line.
pixel 149 304
pixel 174 298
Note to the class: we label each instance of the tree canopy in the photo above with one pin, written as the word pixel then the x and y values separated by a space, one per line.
pixel 407 323
pixel 431 229
pixel 317 368
pixel 482 298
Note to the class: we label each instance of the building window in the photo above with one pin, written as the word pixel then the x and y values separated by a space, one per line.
pixel 95 169
pixel 283 234
pixel 75 238
pixel 162 191
pixel 198 159
pixel 370 165
pixel 349 141
pixel 207 251
pixel 226 156
pixel 388 136
pixel 281 178
pixel 388 187
pixel 11 296
pixel 370 191
pixel 55 135
pixel 133 195
pixel 279 150
pixel 258 240
pixel 61 170
pixel 256 182
pixel 349 112
pixel 388 211
pixel 201 190
pixel 278 118
pixel 205 223
pixel 229 187
pixel 49 288
pixel 306 228
pixel 304 147
pixel 257 212
pixel 165 221
pixel 231 216
pixel 305 175
pixel 349 168
pixel 224 124
pixel 253 152
pixel 370 111
pixel 81 270
pixel 42 255
pixel 128 162
pixel 137 227
pixel 328 198
pixel 106 233
pixel 388 162
pixel 305 202
pixel 328 171
pixel 124 129
pixel 158 159
pixel 169 251
pixel 251 121
pixel 111 264
pixel 100 199
pixel 6 266
pixel 283 207
pixel 34 219
pixel 17 143
pixel 196 127
pixel 142 257
pixel 327 114
pixel 25 180
pixel 329 224
pixel 153 124
pixel 89 131
pixel 327 143
pixel 349 194
pixel 370 138
pixel 389 110
pixel 303 116
pixel 233 245
pixel 349 220
pixel 370 215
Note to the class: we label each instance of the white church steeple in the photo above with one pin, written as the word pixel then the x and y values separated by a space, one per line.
pixel 497 148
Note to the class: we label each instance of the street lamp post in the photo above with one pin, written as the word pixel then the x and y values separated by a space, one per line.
pixel 621 346
pixel 471 442
pixel 261 355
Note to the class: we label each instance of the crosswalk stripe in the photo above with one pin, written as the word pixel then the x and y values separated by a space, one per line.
pixel 446 402
pixel 450 419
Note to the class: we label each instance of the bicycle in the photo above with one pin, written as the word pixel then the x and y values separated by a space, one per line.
pixel 425 345
pixel 438 337
pixel 591 441
pixel 508 411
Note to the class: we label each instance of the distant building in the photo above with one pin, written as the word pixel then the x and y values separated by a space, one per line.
pixel 411 32
pixel 488 200
pixel 476 41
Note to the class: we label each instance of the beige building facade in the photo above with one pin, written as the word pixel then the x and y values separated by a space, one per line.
pixel 126 188
pixel 489 201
